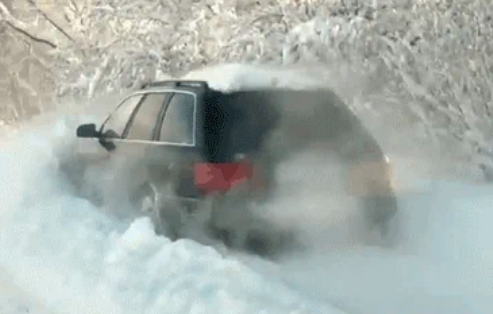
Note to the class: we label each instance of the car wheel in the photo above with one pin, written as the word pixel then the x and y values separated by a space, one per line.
pixel 258 243
pixel 144 198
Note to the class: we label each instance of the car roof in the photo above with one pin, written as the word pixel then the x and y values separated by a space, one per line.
pixel 175 84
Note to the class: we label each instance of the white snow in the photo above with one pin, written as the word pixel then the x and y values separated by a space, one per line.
pixel 64 255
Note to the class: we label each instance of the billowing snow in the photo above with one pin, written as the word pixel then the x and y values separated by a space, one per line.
pixel 61 254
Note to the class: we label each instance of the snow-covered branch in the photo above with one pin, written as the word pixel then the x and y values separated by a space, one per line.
pixel 51 21
pixel 23 28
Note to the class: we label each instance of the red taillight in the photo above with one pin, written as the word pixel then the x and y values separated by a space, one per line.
pixel 211 177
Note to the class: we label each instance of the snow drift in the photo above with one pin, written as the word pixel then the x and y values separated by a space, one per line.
pixel 76 258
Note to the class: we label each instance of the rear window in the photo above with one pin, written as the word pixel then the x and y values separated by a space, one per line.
pixel 179 122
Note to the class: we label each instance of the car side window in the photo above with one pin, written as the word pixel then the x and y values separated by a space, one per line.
pixel 178 125
pixel 143 124
pixel 118 119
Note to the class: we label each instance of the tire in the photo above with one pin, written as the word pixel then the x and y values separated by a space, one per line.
pixel 380 215
pixel 144 198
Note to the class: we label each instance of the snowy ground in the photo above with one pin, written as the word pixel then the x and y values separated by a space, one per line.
pixel 60 254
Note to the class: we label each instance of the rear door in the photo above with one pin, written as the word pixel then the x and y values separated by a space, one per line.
pixel 180 138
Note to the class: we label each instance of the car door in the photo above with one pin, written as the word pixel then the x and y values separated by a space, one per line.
pixel 179 139
pixel 96 168
pixel 134 146
pixel 95 149
pixel 150 133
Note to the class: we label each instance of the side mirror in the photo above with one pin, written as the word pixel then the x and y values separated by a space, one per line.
pixel 87 131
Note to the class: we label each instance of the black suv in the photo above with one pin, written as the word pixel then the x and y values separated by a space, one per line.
pixel 198 152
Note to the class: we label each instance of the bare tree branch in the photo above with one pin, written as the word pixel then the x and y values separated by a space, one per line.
pixel 51 21
pixel 22 28
pixel 31 36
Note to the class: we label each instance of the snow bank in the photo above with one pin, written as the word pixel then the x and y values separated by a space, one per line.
pixel 64 251
pixel 15 300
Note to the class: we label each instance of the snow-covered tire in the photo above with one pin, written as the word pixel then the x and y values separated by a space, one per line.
pixel 145 201
pixel 144 198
